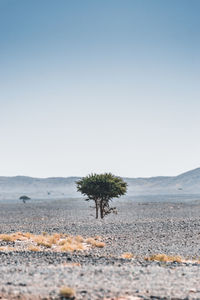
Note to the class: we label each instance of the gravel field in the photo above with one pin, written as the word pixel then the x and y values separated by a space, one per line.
pixel 140 227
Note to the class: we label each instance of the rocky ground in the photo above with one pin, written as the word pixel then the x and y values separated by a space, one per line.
pixel 140 228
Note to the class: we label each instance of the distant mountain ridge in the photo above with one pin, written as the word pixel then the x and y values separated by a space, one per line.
pixel 61 187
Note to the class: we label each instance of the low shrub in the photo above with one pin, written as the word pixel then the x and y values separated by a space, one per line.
pixel 67 292
pixel 164 258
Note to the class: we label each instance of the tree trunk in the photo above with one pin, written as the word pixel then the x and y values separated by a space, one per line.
pixel 97 209
pixel 101 209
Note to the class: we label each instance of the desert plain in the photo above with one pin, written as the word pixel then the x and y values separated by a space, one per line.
pixel 149 250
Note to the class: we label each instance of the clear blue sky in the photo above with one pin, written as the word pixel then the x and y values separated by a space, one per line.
pixel 99 85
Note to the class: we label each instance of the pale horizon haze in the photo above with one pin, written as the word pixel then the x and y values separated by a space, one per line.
pixel 99 86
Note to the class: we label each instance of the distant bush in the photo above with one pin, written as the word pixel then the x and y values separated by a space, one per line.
pixel 24 198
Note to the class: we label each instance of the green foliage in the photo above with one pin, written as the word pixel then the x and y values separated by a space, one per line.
pixel 102 188
pixel 24 198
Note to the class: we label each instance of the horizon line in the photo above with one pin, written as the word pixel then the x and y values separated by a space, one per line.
pixel 63 177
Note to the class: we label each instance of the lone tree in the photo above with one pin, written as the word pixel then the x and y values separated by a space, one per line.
pixel 24 198
pixel 102 188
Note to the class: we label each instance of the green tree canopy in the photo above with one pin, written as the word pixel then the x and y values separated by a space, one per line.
pixel 102 188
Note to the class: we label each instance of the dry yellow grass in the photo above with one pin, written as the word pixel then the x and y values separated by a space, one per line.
pixel 76 246
pixel 69 239
pixel 6 237
pixel 127 255
pixel 42 241
pixel 99 244
pixel 34 248
pixel 53 239
pixel 67 292
pixel 44 244
pixel 79 238
pixel 164 258
pixel 15 236
pixel 62 242
pixel 10 249
pixel 97 237
pixel 19 236
pixel 90 241
pixel 56 241
pixel 28 235
pixel 67 248
pixel 72 243
pixel 6 248
pixel 95 243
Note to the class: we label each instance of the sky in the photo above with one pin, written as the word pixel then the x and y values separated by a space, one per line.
pixel 99 86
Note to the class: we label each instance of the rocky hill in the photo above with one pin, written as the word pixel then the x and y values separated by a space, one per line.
pixel 186 183
pixel 59 187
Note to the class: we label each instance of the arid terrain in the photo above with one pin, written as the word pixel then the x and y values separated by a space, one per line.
pixel 149 250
